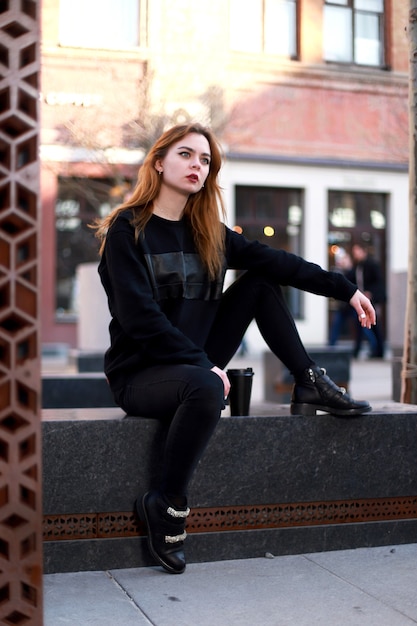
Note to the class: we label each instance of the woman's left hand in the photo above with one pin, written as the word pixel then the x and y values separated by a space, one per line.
pixel 364 309
pixel 226 382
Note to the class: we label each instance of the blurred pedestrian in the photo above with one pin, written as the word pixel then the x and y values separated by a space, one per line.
pixel 367 274
pixel 342 316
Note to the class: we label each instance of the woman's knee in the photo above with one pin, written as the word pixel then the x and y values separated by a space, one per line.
pixel 261 283
pixel 206 386
pixel 257 284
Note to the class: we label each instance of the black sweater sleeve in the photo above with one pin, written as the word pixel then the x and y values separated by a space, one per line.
pixel 286 268
pixel 137 317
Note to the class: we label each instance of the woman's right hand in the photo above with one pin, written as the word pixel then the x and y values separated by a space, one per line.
pixel 364 309
pixel 223 376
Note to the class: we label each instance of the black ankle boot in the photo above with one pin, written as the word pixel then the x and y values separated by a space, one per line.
pixel 315 391
pixel 166 530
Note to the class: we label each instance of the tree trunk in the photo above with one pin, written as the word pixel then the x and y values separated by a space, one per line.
pixel 409 368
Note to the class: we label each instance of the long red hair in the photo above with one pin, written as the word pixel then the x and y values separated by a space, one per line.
pixel 204 209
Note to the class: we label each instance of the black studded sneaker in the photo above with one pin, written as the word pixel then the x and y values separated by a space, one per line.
pixel 166 530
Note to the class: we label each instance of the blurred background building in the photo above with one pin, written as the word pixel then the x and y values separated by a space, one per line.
pixel 308 97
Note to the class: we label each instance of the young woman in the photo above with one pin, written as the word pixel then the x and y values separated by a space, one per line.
pixel 164 254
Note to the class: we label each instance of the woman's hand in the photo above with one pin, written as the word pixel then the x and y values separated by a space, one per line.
pixel 364 309
pixel 223 376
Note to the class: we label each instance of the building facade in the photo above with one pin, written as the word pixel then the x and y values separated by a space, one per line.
pixel 308 97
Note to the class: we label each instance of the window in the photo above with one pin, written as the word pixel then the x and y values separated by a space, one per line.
pixel 354 31
pixel 99 23
pixel 268 26
pixel 355 217
pixel 80 201
pixel 273 215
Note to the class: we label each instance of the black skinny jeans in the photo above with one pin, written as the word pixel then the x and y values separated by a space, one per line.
pixel 191 397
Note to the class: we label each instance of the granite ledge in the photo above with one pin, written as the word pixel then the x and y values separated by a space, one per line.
pixel 261 409
pixel 82 414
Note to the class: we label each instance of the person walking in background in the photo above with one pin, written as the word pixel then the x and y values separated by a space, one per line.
pixel 366 273
pixel 343 316
pixel 164 255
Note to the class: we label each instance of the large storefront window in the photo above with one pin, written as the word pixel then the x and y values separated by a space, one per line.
pixel 80 201
pixel 273 216
pixel 356 218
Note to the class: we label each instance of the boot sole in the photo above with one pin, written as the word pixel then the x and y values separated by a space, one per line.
pixel 141 511
pixel 307 410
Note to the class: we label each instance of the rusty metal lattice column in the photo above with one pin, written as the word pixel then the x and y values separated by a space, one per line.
pixel 20 443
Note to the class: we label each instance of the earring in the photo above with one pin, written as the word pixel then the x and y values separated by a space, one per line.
pixel 159 172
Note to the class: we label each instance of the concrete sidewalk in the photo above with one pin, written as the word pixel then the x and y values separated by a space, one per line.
pixel 363 587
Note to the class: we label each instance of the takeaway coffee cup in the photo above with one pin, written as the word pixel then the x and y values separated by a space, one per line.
pixel 240 390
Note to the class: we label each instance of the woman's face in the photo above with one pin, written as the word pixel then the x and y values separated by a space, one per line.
pixel 186 165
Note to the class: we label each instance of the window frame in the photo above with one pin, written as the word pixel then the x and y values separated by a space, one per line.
pixel 283 208
pixel 261 32
pixel 79 201
pixel 68 40
pixel 349 5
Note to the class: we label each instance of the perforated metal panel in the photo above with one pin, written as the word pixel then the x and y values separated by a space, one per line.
pixel 20 444
pixel 227 518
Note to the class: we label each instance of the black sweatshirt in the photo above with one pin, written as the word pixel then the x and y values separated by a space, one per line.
pixel 161 300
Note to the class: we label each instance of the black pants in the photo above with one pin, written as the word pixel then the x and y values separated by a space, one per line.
pixel 191 397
